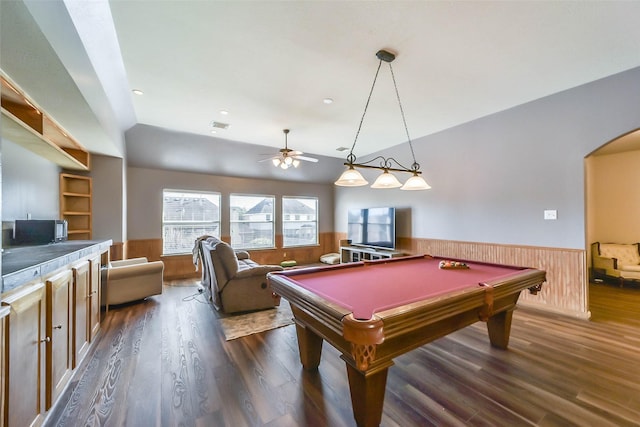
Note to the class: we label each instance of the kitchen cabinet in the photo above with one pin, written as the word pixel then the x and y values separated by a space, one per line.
pixel 4 316
pixel 95 292
pixel 59 331
pixel 80 299
pixel 25 354
pixel 52 318
pixel 75 205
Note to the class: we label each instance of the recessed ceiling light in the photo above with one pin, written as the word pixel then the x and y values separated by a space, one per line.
pixel 224 112
pixel 328 101
pixel 138 92
pixel 214 131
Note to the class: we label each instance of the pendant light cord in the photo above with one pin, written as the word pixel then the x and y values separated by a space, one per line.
pixel 415 166
pixel 351 158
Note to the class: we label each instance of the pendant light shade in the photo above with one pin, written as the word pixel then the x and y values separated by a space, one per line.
pixel 416 182
pixel 386 180
pixel 351 178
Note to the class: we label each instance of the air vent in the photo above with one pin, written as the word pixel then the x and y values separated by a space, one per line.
pixel 219 125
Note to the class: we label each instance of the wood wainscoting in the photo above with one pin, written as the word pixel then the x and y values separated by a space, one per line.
pixel 181 266
pixel 565 290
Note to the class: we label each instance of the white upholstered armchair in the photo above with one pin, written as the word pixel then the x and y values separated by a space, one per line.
pixel 131 280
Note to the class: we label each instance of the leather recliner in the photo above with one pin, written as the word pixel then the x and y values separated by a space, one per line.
pixel 236 283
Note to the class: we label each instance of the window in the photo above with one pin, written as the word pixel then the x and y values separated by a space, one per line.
pixel 252 225
pixel 300 223
pixel 187 216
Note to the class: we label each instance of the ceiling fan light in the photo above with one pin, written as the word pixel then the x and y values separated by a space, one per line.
pixel 386 180
pixel 351 178
pixel 296 163
pixel 276 161
pixel 284 165
pixel 288 160
pixel 416 182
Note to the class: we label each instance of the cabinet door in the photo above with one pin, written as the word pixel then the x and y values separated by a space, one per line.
pixel 59 331
pixel 95 285
pixel 79 314
pixel 4 316
pixel 25 356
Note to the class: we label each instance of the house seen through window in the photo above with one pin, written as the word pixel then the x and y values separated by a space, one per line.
pixel 187 216
pixel 252 221
pixel 299 221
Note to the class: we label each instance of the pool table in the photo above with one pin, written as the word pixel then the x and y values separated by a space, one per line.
pixel 377 310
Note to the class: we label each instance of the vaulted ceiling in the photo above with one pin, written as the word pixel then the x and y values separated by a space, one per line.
pixel 270 64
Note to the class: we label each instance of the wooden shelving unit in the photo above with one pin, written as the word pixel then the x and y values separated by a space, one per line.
pixel 362 253
pixel 25 124
pixel 75 205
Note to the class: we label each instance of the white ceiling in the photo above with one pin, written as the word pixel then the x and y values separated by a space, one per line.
pixel 271 63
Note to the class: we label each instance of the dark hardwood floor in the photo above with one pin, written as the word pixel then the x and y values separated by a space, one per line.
pixel 164 362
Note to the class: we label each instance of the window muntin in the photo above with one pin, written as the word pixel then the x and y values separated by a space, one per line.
pixel 300 221
pixel 187 215
pixel 252 221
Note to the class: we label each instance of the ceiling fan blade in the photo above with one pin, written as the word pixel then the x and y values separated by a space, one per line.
pixel 308 159
pixel 268 159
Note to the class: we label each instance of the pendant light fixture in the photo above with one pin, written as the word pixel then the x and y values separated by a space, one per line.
pixel 352 178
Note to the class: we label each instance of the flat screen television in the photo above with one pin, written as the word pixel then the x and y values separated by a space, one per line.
pixel 372 227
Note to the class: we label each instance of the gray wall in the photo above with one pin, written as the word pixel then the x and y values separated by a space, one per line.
pixel 145 187
pixel 109 197
pixel 493 178
pixel 30 185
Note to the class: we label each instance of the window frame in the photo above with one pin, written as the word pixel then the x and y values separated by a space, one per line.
pixel 216 225
pixel 295 218
pixel 270 218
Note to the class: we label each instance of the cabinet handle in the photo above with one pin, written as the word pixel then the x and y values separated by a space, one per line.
pixel 57 327
pixel 46 339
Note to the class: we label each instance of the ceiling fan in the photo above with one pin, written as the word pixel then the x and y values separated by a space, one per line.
pixel 288 157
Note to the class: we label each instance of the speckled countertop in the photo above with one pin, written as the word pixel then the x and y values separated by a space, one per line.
pixel 24 263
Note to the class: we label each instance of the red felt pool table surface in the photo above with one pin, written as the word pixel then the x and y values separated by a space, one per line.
pixel 375 286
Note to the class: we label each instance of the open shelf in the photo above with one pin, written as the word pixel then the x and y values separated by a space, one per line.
pixel 363 253
pixel 26 125
pixel 75 205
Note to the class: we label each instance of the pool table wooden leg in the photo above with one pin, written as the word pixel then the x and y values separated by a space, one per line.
pixel 309 346
pixel 367 394
pixel 499 327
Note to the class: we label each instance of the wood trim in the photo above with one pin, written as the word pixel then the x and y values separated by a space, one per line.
pixel 181 266
pixel 565 290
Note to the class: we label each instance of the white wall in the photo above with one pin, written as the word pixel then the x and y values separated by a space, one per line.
pixel 144 197
pixel 493 178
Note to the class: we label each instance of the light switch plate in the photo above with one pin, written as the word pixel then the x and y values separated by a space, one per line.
pixel 550 214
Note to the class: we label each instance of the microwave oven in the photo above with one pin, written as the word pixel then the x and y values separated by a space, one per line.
pixel 39 231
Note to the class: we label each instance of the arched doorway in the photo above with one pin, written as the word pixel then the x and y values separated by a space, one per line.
pixel 612 178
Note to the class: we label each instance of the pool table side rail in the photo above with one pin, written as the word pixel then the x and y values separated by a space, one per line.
pixel 403 328
pixel 328 314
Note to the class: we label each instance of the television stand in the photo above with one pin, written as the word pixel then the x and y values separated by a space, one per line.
pixel 362 253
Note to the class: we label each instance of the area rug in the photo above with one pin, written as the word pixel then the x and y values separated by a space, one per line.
pixel 242 325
